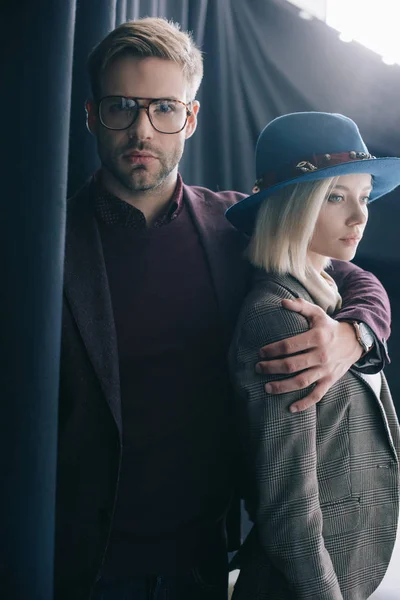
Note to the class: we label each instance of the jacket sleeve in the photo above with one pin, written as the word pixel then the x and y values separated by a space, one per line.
pixel 279 449
pixel 364 299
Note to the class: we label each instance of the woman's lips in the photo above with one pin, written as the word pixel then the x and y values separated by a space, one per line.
pixel 351 241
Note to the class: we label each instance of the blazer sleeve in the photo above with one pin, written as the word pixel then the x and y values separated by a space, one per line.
pixel 279 449
pixel 364 299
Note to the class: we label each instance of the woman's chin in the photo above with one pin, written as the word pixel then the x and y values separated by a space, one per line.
pixel 347 255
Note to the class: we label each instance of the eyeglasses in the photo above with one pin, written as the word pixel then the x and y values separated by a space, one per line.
pixel 166 115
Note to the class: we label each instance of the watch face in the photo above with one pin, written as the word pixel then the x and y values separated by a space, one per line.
pixel 366 336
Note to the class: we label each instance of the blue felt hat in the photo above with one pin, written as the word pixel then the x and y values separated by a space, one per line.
pixel 308 146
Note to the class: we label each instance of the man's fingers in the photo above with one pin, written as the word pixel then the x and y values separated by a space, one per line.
pixel 315 396
pixel 299 382
pixel 308 310
pixel 290 364
pixel 298 343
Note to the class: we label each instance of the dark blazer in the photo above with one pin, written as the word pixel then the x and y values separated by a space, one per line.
pixel 322 486
pixel 89 440
pixel 89 445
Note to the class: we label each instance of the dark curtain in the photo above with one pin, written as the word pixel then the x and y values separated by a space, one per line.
pixel 36 66
pixel 261 61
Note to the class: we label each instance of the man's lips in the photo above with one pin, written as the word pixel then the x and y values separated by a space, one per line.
pixel 137 157
pixel 140 153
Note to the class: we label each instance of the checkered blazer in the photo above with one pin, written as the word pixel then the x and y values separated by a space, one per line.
pixel 321 486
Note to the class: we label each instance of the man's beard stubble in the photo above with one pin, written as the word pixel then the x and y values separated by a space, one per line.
pixel 136 180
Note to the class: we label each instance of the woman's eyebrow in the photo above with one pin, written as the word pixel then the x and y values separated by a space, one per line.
pixel 343 187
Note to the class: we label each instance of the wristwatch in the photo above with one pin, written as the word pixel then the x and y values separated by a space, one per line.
pixel 364 336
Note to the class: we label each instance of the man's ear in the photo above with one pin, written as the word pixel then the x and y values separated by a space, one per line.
pixel 91 116
pixel 192 119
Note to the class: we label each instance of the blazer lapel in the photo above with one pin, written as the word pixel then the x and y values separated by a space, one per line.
pixel 224 247
pixel 87 292
pixel 386 409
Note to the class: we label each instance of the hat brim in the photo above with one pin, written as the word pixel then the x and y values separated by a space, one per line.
pixel 385 173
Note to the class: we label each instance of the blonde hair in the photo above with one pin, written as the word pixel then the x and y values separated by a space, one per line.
pixel 145 38
pixel 284 227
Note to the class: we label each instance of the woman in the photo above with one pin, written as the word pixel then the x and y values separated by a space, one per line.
pixel 322 487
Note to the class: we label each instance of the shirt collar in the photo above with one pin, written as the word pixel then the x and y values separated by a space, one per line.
pixel 111 210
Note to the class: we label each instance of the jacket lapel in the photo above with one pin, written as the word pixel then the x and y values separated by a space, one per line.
pixel 386 409
pixel 224 247
pixel 87 292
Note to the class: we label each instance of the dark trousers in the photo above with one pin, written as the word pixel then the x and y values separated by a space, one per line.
pixel 207 581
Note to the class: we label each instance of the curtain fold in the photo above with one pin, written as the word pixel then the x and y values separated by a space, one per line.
pixel 37 48
pixel 93 22
pixel 261 60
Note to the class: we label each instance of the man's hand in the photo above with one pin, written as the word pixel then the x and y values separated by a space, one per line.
pixel 328 350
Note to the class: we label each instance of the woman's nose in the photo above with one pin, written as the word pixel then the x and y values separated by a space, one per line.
pixel 359 214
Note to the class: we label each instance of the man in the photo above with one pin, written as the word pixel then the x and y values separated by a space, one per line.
pixel 154 278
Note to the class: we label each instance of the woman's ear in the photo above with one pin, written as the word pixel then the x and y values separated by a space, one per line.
pixel 91 116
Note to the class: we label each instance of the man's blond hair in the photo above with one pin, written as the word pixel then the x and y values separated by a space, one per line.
pixel 285 225
pixel 148 37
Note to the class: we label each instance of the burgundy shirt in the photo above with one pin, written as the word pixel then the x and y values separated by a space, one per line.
pixel 175 479
pixel 114 211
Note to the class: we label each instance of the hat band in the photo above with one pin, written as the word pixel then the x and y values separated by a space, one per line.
pixel 317 161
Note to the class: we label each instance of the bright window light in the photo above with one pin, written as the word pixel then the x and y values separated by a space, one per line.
pixel 373 23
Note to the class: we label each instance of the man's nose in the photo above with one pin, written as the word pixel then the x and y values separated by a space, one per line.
pixel 141 129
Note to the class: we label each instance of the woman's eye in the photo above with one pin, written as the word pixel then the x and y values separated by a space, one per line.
pixel 366 200
pixel 335 198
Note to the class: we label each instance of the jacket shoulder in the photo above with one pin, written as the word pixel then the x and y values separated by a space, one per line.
pixel 263 319
pixel 80 196
pixel 78 207
pixel 269 289
pixel 225 198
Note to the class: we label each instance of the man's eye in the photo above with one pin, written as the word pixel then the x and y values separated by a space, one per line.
pixel 124 104
pixel 165 107
pixel 335 198
pixel 115 108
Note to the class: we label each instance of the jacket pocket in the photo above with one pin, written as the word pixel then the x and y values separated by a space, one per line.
pixel 341 516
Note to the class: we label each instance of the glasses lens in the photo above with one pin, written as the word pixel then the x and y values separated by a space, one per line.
pixel 167 116
pixel 117 112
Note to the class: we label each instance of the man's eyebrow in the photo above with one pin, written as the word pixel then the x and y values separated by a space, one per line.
pixel 166 98
pixel 158 98
pixel 143 98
